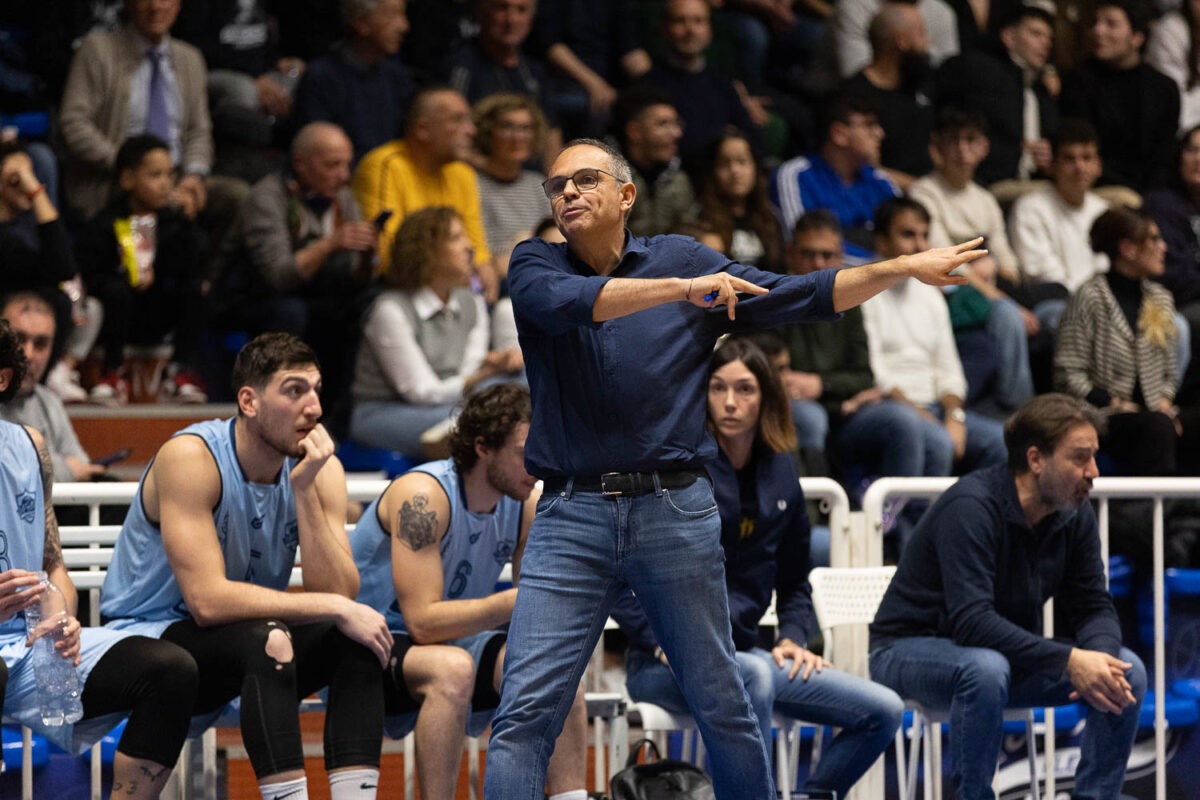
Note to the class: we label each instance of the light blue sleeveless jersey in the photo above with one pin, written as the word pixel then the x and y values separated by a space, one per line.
pixel 22 511
pixel 256 528
pixel 474 550
pixel 22 546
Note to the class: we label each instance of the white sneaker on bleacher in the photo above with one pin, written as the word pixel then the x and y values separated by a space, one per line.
pixel 64 382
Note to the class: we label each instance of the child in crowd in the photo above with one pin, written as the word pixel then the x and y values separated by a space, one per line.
pixel 141 257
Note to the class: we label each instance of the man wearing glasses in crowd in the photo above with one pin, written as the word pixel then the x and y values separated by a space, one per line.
pixel 617 331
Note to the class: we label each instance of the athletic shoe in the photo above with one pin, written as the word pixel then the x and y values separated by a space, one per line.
pixel 183 387
pixel 64 382
pixel 110 390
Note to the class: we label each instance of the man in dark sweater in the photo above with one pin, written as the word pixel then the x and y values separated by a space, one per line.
pixel 707 100
pixel 1134 107
pixel 360 85
pixel 960 627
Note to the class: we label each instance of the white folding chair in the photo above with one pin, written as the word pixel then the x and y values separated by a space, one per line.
pixel 851 596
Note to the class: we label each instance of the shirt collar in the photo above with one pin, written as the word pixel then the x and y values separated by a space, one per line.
pixel 163 47
pixel 428 305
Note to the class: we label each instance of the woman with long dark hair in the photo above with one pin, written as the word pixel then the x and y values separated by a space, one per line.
pixel 733 202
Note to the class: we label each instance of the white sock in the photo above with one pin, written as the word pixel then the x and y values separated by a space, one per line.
pixel 574 794
pixel 285 790
pixel 353 784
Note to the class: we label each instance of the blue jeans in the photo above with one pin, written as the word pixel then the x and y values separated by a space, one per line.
pixel 1006 329
pixel 396 425
pixel 893 440
pixel 976 685
pixel 985 440
pixel 867 713
pixel 585 551
pixel 812 423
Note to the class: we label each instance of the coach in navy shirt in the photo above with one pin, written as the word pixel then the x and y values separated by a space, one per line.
pixel 617 332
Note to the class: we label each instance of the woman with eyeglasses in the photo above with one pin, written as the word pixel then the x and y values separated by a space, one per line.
pixel 426 340
pixel 765 536
pixel 733 201
pixel 509 131
pixel 1116 345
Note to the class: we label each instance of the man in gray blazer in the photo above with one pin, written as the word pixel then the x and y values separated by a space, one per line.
pixel 133 80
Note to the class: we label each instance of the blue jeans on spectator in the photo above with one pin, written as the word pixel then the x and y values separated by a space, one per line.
pixel 1006 328
pixel 867 713
pixel 395 425
pixel 893 440
pixel 812 423
pixel 585 551
pixel 975 684
pixel 985 440
pixel 1183 346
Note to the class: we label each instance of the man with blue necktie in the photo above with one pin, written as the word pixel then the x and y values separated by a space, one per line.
pixel 134 80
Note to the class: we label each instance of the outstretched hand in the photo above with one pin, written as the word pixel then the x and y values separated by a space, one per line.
pixel 937 267
pixel 720 288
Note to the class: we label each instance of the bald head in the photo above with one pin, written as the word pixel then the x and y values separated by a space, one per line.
pixel 898 27
pixel 440 128
pixel 314 136
pixel 321 155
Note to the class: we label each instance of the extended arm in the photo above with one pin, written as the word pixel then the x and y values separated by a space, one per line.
pixel 856 285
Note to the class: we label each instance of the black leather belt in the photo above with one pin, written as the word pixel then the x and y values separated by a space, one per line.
pixel 625 484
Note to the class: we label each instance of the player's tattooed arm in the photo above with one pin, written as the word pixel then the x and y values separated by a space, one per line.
pixel 416 525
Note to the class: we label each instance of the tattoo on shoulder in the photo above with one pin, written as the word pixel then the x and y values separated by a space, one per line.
pixel 415 525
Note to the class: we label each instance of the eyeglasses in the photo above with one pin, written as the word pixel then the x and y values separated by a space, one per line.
pixel 585 180
pixel 514 129
pixel 811 254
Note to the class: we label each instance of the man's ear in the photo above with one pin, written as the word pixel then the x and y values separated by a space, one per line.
pixel 5 378
pixel 1036 459
pixel 628 194
pixel 247 400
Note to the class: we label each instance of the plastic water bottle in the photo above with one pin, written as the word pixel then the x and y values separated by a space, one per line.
pixel 57 679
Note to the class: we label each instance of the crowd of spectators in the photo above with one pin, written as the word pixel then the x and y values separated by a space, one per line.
pixel 356 172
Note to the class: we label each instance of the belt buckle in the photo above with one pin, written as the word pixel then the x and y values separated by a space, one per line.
pixel 604 490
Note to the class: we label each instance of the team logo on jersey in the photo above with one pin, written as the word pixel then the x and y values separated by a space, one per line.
pixel 503 552
pixel 26 506
pixel 781 504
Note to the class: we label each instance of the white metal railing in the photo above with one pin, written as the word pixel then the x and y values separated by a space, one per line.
pixel 883 491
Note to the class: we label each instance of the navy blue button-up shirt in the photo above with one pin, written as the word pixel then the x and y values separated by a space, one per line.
pixel 628 394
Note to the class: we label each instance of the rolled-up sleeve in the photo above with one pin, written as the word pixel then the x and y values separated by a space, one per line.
pixel 546 297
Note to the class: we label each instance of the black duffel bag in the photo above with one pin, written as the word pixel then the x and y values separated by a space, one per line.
pixel 660 779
